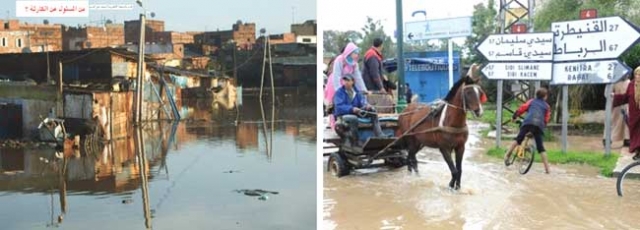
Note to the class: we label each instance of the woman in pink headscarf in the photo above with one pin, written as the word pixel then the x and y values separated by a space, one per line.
pixel 345 63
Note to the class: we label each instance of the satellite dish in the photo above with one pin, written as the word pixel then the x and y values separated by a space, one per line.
pixel 153 15
pixel 46 22
pixel 263 31
pixel 26 50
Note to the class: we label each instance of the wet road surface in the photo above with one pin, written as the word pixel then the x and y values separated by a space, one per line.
pixel 492 197
pixel 194 169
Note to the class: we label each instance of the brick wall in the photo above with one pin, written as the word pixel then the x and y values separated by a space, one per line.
pixel 12 41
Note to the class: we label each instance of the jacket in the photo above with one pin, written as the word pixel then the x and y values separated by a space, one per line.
pixel 538 113
pixel 372 70
pixel 343 105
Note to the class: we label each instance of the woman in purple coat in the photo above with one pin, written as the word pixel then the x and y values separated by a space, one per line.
pixel 632 97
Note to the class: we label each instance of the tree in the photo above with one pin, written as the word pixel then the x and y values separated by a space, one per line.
pixel 373 29
pixel 483 24
pixel 334 40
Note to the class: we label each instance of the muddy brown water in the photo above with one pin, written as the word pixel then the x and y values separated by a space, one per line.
pixel 492 197
pixel 192 174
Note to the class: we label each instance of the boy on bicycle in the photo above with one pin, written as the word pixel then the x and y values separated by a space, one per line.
pixel 538 115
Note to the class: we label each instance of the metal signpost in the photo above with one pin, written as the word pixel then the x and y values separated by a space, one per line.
pixel 516 57
pixel 440 28
pixel 586 52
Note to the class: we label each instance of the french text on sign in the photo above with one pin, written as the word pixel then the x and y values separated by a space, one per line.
pixel 52 8
pixel 540 71
pixel 589 72
pixel 592 39
pixel 518 47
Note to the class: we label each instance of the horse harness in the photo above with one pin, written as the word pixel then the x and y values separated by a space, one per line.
pixel 443 114
pixel 440 127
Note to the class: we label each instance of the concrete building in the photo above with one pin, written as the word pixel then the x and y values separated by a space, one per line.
pixel 132 30
pixel 39 37
pixel 12 41
pixel 173 37
pixel 243 34
pixel 308 28
pixel 77 38
pixel 306 39
pixel 282 38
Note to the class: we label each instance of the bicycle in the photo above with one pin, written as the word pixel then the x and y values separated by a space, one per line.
pixel 630 171
pixel 524 153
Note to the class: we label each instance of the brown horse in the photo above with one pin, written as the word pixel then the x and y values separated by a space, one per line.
pixel 446 130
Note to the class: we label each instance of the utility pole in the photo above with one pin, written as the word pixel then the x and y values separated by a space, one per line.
pixel 235 68
pixel 402 102
pixel 140 74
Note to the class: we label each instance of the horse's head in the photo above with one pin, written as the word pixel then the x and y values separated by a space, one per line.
pixel 473 97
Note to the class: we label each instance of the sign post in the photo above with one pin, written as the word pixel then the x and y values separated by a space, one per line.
pixel 440 28
pixel 401 86
pixel 586 52
pixel 516 57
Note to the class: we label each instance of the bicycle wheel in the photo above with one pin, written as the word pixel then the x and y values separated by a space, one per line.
pixel 514 155
pixel 629 185
pixel 524 163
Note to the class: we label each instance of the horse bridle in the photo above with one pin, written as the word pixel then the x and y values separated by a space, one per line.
pixel 476 89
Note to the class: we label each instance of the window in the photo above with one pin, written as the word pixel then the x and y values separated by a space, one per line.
pixel 3 42
pixel 19 42
pixel 306 40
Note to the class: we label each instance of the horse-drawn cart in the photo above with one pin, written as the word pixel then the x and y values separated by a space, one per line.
pixel 368 155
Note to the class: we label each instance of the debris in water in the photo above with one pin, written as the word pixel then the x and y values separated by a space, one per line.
pixel 261 194
pixel 232 171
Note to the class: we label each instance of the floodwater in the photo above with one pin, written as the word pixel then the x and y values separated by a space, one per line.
pixel 492 197
pixel 192 171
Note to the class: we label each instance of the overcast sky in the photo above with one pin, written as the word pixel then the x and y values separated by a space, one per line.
pixel 196 15
pixel 352 14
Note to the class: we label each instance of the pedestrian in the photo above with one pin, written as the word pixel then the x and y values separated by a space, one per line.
pixel 408 93
pixel 372 69
pixel 632 98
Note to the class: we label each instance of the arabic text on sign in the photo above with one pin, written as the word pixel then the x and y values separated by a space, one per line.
pixel 52 8
pixel 591 26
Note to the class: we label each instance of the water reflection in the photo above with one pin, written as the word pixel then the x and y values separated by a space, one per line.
pixel 97 185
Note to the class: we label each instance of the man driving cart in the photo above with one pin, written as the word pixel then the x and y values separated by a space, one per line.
pixel 350 104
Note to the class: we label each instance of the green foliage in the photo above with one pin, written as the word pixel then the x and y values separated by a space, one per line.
pixel 335 40
pixel 484 24
pixel 606 164
pixel 373 29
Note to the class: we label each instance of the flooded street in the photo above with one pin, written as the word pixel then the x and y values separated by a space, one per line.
pixel 492 197
pixel 203 173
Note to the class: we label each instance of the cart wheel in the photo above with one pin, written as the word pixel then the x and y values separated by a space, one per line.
pixel 395 162
pixel 338 166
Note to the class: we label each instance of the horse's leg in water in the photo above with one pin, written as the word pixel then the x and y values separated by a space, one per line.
pixel 459 154
pixel 413 148
pixel 446 154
